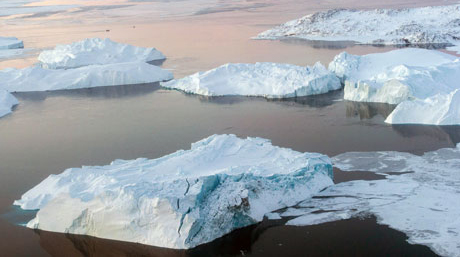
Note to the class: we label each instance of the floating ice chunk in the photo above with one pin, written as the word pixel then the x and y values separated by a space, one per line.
pixel 10 43
pixel 271 80
pixel 183 199
pixel 397 75
pixel 426 25
pixel 441 109
pixel 423 203
pixel 95 51
pixel 7 101
pixel 40 79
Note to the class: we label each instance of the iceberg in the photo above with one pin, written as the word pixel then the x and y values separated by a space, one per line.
pixel 36 78
pixel 396 76
pixel 10 43
pixel 413 26
pixel 94 51
pixel 441 109
pixel 181 200
pixel 271 80
pixel 7 101
pixel 418 197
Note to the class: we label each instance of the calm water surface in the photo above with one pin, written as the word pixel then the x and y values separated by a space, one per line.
pixel 49 132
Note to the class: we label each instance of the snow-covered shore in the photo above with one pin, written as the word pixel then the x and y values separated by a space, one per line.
pixel 413 26
pixel 271 80
pixel 181 200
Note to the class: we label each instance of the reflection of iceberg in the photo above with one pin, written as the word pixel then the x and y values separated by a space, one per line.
pixel 7 101
pixel 180 200
pixel 422 201
pixel 271 80
pixel 368 110
pixel 95 51
pixel 415 26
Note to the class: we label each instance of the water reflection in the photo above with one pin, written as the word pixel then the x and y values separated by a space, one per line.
pixel 95 92
pixel 318 44
pixel 314 101
pixel 268 238
pixel 366 111
pixel 444 133
pixel 333 45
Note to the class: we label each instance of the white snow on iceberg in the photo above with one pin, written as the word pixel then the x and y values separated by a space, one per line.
pixel 441 109
pixel 39 79
pixel 10 43
pixel 94 51
pixel 181 200
pixel 396 76
pixel 271 80
pixel 422 201
pixel 425 25
pixel 7 101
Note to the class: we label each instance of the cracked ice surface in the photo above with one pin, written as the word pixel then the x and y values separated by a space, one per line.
pixel 424 203
pixel 181 200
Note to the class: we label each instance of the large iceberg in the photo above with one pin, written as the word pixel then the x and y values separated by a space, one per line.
pixel 441 109
pixel 271 80
pixel 181 200
pixel 425 25
pixel 10 43
pixel 396 76
pixel 7 101
pixel 420 196
pixel 94 51
pixel 39 79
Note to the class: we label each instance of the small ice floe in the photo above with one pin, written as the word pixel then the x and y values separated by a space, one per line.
pixel 10 43
pixel 431 25
pixel 94 51
pixel 271 80
pixel 7 101
pixel 183 199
